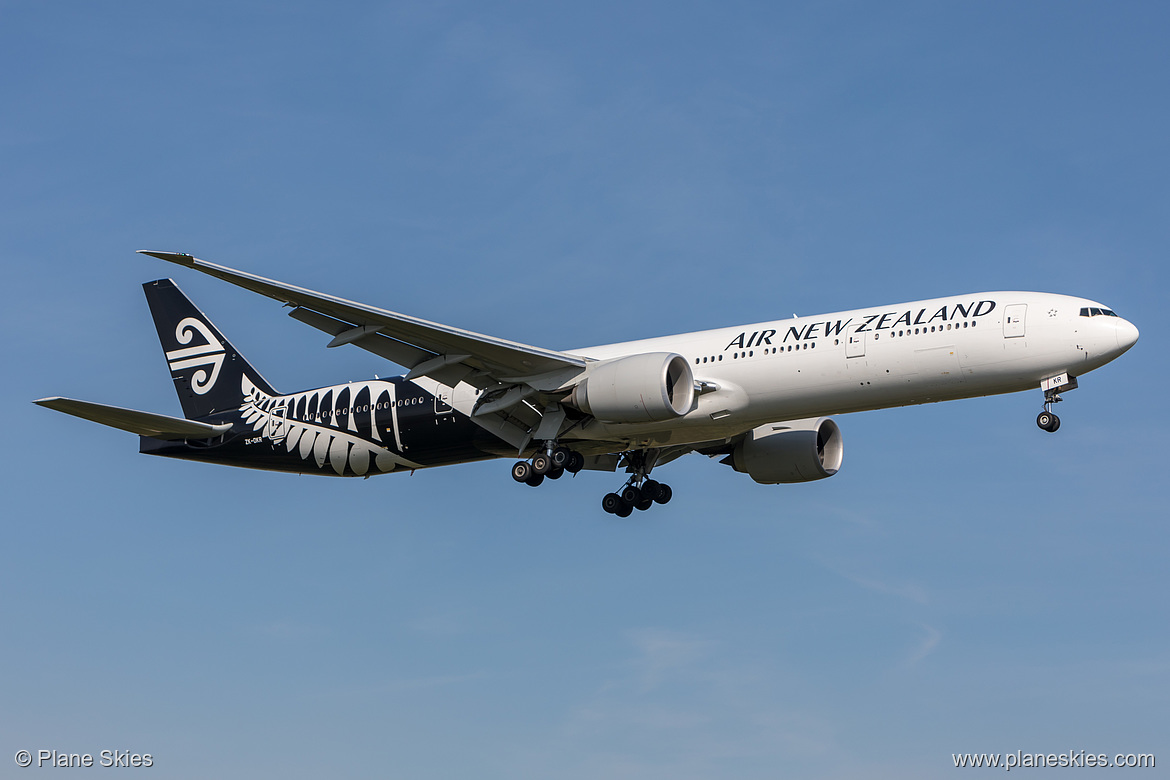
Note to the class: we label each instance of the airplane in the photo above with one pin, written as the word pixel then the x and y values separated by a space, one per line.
pixel 759 395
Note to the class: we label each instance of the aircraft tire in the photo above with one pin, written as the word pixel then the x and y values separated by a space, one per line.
pixel 576 462
pixel 555 472
pixel 664 493
pixel 541 463
pixel 1047 421
pixel 644 504
pixel 521 471
pixel 624 510
pixel 561 457
pixel 631 495
pixel 611 502
pixel 534 480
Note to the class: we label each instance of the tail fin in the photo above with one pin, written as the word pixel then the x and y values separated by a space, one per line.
pixel 209 372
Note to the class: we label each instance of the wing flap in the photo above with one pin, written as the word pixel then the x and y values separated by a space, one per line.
pixel 156 426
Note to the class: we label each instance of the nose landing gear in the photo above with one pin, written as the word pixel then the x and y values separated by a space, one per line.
pixel 1053 387
pixel 1047 420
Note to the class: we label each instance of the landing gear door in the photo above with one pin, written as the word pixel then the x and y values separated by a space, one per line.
pixel 1013 320
pixel 854 342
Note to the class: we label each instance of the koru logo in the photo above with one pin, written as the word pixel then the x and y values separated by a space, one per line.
pixel 209 354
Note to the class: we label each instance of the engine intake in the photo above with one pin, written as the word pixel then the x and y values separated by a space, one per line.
pixel 651 387
pixel 795 451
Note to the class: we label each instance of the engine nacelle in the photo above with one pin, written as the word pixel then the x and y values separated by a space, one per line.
pixel 652 387
pixel 794 451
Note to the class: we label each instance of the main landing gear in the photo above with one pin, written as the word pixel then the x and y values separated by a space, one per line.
pixel 634 497
pixel 552 464
pixel 640 492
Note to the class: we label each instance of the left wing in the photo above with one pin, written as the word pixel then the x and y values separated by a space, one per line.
pixel 447 355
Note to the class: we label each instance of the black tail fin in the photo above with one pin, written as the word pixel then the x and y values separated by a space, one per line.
pixel 209 372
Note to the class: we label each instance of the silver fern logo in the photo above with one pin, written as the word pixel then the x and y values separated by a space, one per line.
pixel 322 433
pixel 209 354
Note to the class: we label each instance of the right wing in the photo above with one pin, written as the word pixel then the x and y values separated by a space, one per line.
pixel 156 426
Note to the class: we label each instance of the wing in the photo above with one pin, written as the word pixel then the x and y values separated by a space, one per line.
pixel 157 426
pixel 518 383
pixel 445 354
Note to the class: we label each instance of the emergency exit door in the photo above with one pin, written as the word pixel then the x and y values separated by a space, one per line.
pixel 854 342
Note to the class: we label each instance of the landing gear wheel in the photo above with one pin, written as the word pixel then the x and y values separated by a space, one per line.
pixel 624 510
pixel 1048 421
pixel 576 462
pixel 611 503
pixel 534 480
pixel 561 457
pixel 650 489
pixel 631 495
pixel 664 493
pixel 541 463
pixel 555 472
pixel 522 471
pixel 644 504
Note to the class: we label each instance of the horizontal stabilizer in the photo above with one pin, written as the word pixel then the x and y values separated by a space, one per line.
pixel 156 426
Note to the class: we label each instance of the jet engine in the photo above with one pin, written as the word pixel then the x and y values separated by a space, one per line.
pixel 651 387
pixel 794 451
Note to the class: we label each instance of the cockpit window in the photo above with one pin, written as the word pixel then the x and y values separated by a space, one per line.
pixel 1093 311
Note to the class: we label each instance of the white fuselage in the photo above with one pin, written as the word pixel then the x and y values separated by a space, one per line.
pixel 912 353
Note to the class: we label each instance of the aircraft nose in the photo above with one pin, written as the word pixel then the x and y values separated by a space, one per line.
pixel 1127 335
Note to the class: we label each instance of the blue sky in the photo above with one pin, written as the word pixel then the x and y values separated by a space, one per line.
pixel 567 175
